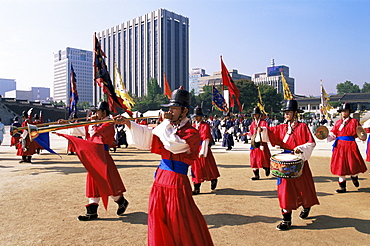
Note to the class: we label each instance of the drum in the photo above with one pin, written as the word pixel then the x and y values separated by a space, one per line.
pixel 286 165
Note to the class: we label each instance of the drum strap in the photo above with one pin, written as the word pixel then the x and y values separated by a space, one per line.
pixel 344 138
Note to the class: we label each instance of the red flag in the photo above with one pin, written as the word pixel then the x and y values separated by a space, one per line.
pixel 102 78
pixel 228 81
pixel 90 155
pixel 167 89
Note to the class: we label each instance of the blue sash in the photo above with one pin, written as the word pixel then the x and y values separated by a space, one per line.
pixel 174 166
pixel 344 138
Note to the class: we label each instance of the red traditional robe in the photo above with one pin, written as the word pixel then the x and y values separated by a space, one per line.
pixel 173 216
pixel 293 193
pixel 205 168
pixel 31 146
pixel 346 158
pixel 259 157
pixel 104 134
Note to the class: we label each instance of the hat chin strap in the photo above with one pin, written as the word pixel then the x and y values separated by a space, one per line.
pixel 178 121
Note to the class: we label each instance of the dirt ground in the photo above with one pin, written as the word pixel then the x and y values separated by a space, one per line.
pixel 40 203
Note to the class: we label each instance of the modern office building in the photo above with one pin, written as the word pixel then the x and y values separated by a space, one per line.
pixel 194 79
pixel 273 77
pixel 41 94
pixel 216 78
pixel 148 47
pixel 6 85
pixel 82 62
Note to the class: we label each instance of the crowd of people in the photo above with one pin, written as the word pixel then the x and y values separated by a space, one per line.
pixel 182 143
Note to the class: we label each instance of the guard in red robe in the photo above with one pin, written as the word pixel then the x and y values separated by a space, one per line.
pixel 296 137
pixel 204 167
pixel 259 152
pixel 15 136
pixel 37 121
pixel 173 216
pixel 346 158
pixel 26 148
pixel 103 134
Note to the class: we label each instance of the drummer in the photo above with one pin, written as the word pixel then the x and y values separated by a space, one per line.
pixel 295 137
pixel 346 158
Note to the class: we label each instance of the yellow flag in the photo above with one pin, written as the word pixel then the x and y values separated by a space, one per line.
pixel 325 105
pixel 120 89
pixel 287 94
pixel 259 104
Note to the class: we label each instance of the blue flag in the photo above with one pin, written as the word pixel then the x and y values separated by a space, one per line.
pixel 218 100
pixel 73 95
pixel 43 140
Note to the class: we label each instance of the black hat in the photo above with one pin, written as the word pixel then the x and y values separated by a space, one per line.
pixel 24 114
pixel 198 111
pixel 103 105
pixel 292 105
pixel 179 98
pixel 345 106
pixel 36 116
pixel 256 110
pixel 15 118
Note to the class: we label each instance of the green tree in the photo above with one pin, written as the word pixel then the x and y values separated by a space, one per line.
pixel 153 88
pixel 83 105
pixel 347 87
pixel 366 87
pixel 271 99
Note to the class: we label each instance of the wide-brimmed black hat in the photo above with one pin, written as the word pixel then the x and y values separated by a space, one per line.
pixel 103 105
pixel 292 105
pixel 179 98
pixel 256 110
pixel 345 106
pixel 24 114
pixel 198 111
pixel 15 118
pixel 36 116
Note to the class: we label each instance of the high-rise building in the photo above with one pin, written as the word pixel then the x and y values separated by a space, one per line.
pixel 148 47
pixel 6 85
pixel 273 78
pixel 194 79
pixel 81 61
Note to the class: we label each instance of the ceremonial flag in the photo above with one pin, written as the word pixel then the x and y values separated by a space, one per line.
pixel 102 78
pixel 259 103
pixel 95 161
pixel 166 87
pixel 43 140
pixel 73 95
pixel 325 105
pixel 218 100
pixel 228 81
pixel 121 89
pixel 287 94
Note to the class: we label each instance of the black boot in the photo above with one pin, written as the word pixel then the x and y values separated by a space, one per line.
pixel 196 188
pixel 91 212
pixel 24 159
pixel 342 188
pixel 286 223
pixel 355 181
pixel 267 171
pixel 256 175
pixel 29 159
pixel 122 205
pixel 304 213
pixel 214 184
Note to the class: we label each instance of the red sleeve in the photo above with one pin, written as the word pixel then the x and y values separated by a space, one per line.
pixel 205 131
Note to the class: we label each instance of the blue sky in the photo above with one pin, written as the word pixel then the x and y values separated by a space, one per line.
pixel 327 39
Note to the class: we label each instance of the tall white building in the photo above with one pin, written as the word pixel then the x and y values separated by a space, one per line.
pixel 148 47
pixel 194 79
pixel 82 62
